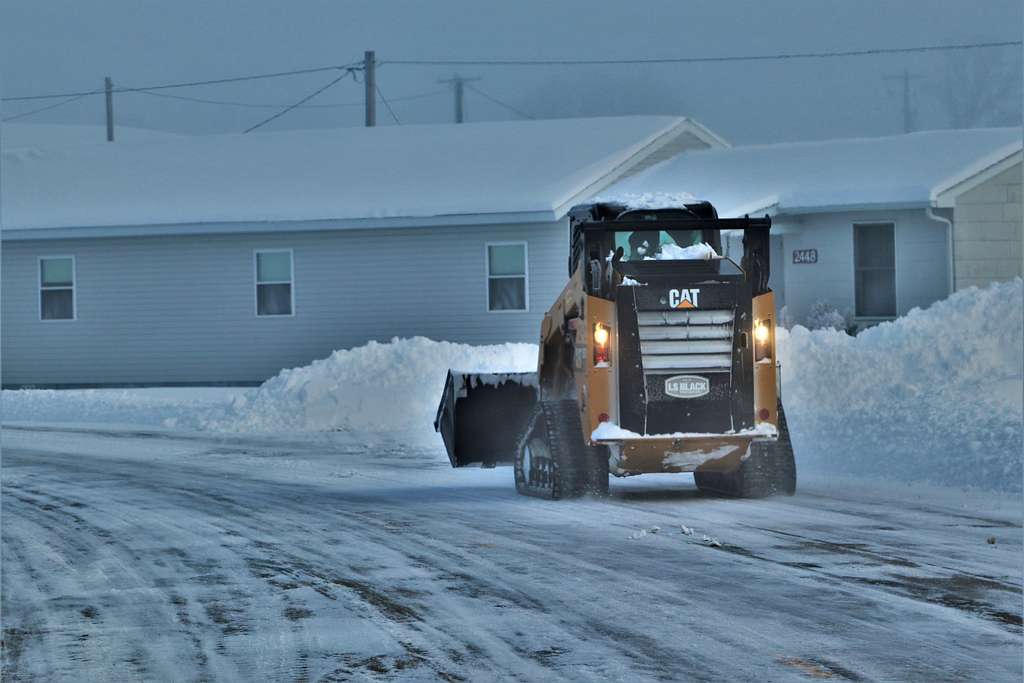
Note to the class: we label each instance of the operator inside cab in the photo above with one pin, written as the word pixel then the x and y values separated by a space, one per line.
pixel 647 244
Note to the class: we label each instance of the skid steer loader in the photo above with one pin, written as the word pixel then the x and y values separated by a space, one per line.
pixel 658 356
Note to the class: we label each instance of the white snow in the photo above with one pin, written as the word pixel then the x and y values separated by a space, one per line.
pixel 935 396
pixel 627 281
pixel 648 200
pixel 899 169
pixel 609 431
pixel 375 391
pixel 696 252
pixel 149 407
pixel 388 172
pixel 57 135
pixel 156 556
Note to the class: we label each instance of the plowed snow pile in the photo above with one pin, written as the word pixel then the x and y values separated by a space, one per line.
pixel 377 390
pixel 934 396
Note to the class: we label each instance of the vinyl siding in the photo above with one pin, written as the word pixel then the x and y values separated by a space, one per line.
pixel 182 309
pixel 921 270
pixel 988 231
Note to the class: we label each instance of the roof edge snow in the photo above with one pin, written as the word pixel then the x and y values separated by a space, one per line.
pixel 634 158
pixel 237 227
pixel 944 194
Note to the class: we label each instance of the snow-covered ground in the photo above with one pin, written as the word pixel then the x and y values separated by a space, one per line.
pixel 311 529
pixel 175 556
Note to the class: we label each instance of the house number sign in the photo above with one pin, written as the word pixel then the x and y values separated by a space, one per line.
pixel 805 256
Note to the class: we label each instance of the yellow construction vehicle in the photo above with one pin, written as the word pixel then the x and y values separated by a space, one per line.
pixel 658 356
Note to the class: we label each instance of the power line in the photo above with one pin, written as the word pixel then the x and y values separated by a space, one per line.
pixel 699 60
pixel 386 104
pixel 539 62
pixel 187 84
pixel 42 109
pixel 267 105
pixel 508 106
pixel 300 102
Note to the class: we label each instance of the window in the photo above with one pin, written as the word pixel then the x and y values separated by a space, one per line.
pixel 645 244
pixel 275 291
pixel 57 288
pixel 506 277
pixel 874 254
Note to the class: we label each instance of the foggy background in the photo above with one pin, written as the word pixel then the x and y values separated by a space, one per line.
pixel 59 46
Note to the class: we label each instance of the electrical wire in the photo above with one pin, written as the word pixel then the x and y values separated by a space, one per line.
pixel 508 106
pixel 188 84
pixel 265 105
pixel 541 62
pixel 348 72
pixel 42 109
pixel 387 104
pixel 699 60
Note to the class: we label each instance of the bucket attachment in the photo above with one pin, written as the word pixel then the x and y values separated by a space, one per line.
pixel 481 416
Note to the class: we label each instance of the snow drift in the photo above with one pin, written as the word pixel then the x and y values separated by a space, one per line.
pixel 378 390
pixel 934 396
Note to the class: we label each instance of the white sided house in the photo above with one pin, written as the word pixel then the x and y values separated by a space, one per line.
pixel 873 227
pixel 223 259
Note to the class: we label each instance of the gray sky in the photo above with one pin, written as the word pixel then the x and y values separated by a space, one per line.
pixel 66 45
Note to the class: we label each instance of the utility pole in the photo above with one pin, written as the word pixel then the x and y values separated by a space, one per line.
pixel 458 85
pixel 108 85
pixel 908 111
pixel 370 79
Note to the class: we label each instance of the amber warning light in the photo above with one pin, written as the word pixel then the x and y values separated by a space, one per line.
pixel 601 337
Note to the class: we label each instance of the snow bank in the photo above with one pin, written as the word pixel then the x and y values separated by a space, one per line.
pixel 155 407
pixel 935 396
pixel 378 390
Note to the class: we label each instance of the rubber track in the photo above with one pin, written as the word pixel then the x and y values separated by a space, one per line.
pixel 770 470
pixel 576 468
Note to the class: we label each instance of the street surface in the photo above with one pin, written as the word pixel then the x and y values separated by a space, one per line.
pixel 135 555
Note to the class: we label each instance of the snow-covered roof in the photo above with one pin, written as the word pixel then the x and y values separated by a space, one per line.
pixel 350 177
pixel 830 175
pixel 57 135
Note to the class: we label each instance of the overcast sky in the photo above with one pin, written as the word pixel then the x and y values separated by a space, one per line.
pixel 68 45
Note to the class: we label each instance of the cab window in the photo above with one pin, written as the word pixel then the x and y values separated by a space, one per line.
pixel 645 244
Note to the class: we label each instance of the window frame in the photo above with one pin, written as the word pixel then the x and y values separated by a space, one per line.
pixel 856 269
pixel 525 276
pixel 41 288
pixel 256 281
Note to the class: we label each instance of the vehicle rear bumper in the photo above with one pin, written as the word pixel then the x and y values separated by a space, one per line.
pixel 679 454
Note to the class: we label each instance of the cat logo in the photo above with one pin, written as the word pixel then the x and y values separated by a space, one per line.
pixel 683 298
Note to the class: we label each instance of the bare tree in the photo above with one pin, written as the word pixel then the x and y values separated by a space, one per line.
pixel 980 88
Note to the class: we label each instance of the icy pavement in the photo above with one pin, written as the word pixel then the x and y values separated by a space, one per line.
pixel 131 555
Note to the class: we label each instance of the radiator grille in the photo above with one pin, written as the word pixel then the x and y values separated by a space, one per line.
pixel 693 340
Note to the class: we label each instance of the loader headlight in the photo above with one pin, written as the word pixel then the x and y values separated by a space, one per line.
pixel 761 332
pixel 762 339
pixel 602 335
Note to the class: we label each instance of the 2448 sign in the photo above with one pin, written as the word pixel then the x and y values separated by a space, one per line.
pixel 805 256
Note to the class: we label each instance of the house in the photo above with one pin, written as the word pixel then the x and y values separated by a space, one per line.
pixel 872 226
pixel 223 259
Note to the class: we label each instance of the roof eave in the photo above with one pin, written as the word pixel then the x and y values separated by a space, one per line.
pixel 605 180
pixel 237 227
pixel 783 210
pixel 945 194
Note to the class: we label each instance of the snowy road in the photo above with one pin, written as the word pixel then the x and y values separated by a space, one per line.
pixel 133 555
